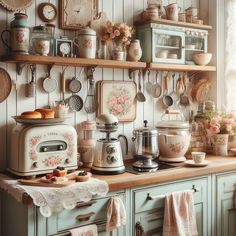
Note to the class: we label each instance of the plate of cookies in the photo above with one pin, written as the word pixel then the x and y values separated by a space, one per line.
pixel 39 116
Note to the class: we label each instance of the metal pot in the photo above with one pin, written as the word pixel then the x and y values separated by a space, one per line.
pixel 145 141
pixel 173 140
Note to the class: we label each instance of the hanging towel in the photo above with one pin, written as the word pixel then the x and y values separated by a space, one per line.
pixel 116 214
pixel 179 215
pixel 89 230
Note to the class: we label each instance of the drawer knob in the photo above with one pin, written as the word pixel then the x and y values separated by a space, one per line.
pixel 85 217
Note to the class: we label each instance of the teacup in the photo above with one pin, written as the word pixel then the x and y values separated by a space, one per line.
pixel 198 157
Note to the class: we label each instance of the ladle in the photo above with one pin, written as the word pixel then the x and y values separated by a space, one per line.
pixel 140 96
pixel 167 99
pixel 149 83
pixel 156 88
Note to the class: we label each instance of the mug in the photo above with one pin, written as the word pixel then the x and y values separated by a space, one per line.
pixel 41 46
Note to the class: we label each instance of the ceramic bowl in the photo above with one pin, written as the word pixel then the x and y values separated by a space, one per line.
pixel 202 58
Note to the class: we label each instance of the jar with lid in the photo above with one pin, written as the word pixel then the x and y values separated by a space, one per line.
pixel 88 143
pixel 40 40
pixel 18 35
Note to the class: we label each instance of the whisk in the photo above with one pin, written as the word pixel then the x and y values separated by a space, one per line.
pixel 90 104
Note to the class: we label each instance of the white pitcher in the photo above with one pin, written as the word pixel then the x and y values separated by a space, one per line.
pixel 172 11
pixel 86 43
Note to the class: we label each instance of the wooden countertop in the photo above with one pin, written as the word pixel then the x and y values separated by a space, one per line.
pixel 182 171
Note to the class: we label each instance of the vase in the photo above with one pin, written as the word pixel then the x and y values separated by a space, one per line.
pixel 135 51
pixel 220 144
pixel 118 51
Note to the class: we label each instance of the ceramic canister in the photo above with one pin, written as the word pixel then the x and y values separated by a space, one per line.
pixel 86 43
pixel 135 51
pixel 19 35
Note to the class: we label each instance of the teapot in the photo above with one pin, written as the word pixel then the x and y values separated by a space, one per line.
pixel 86 43
pixel 172 11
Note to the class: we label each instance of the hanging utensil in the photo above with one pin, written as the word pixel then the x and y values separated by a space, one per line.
pixel 179 85
pixel 49 84
pixel 75 102
pixel 156 88
pixel 6 84
pixel 63 86
pixel 140 96
pixel 184 99
pixel 30 88
pixel 149 84
pixel 173 94
pixel 167 99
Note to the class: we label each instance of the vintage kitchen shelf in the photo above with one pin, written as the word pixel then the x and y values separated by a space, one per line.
pixel 179 67
pixel 22 60
pixel 176 23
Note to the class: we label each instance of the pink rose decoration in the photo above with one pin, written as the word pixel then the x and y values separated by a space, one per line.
pixel 215 129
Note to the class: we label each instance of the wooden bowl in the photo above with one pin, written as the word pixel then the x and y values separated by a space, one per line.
pixel 202 59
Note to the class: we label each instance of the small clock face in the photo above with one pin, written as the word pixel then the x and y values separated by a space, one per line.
pixel 47 12
pixel 65 48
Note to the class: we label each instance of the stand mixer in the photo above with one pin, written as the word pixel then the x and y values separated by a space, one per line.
pixel 108 159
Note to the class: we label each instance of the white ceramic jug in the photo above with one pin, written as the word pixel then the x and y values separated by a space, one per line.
pixel 135 51
pixel 172 11
pixel 86 43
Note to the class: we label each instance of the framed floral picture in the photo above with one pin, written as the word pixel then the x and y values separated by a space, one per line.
pixel 118 98
pixel 75 14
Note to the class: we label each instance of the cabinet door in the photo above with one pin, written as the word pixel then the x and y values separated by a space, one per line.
pixel 149 213
pixel 226 214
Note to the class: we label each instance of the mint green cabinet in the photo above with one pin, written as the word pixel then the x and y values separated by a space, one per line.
pixel 148 214
pixel 225 211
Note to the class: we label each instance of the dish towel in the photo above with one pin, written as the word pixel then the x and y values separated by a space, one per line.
pixel 179 214
pixel 89 230
pixel 116 214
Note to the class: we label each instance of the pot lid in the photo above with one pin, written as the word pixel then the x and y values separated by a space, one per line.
pixel 173 124
pixel 87 30
pixel 145 130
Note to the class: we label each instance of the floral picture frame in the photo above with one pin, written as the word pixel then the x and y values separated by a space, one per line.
pixel 76 14
pixel 118 98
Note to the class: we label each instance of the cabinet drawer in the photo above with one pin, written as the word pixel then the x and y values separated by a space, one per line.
pixel 226 183
pixel 142 203
pixel 93 211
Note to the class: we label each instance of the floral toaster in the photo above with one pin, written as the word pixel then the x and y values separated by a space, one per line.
pixel 38 149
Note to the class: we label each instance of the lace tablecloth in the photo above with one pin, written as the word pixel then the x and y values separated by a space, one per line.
pixel 51 200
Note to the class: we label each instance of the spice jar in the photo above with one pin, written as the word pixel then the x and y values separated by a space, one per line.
pixel 41 40
pixel 18 35
pixel 87 144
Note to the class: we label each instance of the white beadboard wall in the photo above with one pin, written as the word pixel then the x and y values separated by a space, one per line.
pixel 16 103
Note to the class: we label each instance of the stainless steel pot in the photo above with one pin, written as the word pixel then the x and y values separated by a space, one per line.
pixel 145 141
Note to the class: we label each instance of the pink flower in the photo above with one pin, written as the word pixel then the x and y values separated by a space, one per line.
pixel 127 103
pixel 110 30
pixel 124 39
pixel 118 108
pixel 229 128
pixel 112 36
pixel 117 33
pixel 109 24
pixel 215 129
pixel 214 122
pixel 121 99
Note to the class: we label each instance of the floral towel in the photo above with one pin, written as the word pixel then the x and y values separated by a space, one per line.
pixel 89 230
pixel 116 214
pixel 179 215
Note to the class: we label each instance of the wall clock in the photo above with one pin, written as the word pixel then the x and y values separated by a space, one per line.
pixel 47 12
pixel 75 14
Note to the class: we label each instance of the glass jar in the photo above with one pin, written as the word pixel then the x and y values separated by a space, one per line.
pixel 40 41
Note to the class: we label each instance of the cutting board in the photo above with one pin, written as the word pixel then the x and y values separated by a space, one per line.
pixel 38 181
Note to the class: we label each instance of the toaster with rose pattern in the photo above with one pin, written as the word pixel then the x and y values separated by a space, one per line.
pixel 38 149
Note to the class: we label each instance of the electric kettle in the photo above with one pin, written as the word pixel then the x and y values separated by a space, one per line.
pixel 108 158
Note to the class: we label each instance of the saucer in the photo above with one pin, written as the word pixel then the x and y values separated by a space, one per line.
pixel 192 163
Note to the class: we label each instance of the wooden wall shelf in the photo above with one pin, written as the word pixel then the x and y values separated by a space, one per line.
pixel 67 61
pixel 22 60
pixel 179 67
pixel 176 23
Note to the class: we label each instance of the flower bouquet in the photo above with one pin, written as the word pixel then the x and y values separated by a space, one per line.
pixel 220 126
pixel 120 34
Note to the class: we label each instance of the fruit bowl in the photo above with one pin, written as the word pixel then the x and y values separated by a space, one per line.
pixel 202 59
